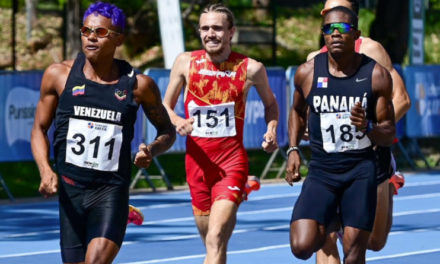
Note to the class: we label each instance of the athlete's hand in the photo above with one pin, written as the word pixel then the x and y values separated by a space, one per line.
pixel 184 126
pixel 48 184
pixel 359 117
pixel 292 168
pixel 143 157
pixel 270 142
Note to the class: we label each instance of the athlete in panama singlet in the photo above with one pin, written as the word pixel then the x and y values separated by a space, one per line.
pixel 385 165
pixel 216 160
pixel 342 156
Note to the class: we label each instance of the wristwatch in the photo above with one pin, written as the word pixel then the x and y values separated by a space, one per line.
pixel 290 149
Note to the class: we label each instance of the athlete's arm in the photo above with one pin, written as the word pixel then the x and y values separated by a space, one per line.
pixel 401 100
pixel 54 79
pixel 297 118
pixel 178 77
pixel 256 74
pixel 384 130
pixel 147 94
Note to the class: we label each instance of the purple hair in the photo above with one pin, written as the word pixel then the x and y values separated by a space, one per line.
pixel 109 11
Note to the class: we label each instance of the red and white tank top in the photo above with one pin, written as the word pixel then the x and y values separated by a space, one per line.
pixel 216 98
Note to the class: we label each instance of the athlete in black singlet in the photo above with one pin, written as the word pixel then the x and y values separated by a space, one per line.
pixel 349 96
pixel 94 100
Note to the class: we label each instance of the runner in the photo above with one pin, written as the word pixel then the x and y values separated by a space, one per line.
pixel 216 82
pixel 93 101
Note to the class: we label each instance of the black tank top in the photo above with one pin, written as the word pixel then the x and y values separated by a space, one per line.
pixel 336 144
pixel 94 127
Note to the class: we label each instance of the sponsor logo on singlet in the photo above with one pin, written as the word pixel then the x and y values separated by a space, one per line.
pixel 229 74
pixel 234 188
pixel 98 113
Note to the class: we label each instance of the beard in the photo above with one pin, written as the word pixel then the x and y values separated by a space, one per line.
pixel 215 51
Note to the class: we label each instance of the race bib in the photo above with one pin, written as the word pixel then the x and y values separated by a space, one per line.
pixel 339 135
pixel 213 121
pixel 93 145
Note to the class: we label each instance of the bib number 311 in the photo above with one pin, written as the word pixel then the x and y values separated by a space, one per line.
pixel 93 145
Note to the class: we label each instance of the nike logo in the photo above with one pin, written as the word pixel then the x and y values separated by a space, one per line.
pixel 131 73
pixel 360 80
pixel 233 188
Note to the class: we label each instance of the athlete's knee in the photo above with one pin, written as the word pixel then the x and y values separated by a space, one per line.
pixel 101 251
pixel 300 249
pixel 215 239
pixel 354 258
pixel 97 259
pixel 376 244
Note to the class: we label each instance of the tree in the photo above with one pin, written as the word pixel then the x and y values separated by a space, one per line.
pixel 31 17
pixel 73 23
pixel 390 27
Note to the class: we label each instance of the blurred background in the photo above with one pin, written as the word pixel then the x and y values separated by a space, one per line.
pixel 279 33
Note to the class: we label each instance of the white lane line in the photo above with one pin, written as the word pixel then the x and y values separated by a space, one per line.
pixel 417 196
pixel 426 183
pixel 254 212
pixel 32 234
pixel 413 212
pixel 196 235
pixel 245 251
pixel 30 253
pixel 412 253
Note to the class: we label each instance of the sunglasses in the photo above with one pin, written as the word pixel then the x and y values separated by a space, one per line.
pixel 342 28
pixel 101 32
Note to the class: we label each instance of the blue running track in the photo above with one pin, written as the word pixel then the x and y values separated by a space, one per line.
pixel 29 232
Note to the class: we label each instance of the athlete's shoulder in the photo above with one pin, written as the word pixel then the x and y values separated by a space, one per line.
pixel 254 67
pixel 304 72
pixel 376 51
pixel 59 69
pixel 313 54
pixel 55 76
pixel 182 61
pixel 306 67
pixel 144 81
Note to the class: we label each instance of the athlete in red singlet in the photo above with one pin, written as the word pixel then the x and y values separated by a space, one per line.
pixel 216 82
pixel 215 153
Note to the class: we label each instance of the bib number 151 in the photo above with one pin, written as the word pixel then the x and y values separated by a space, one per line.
pixel 213 120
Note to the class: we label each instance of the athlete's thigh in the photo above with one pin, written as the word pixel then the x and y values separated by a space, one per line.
pixel 108 213
pixel 223 217
pixel 383 218
pixel 317 200
pixel 231 185
pixel 72 223
pixel 199 189
pixel 358 203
